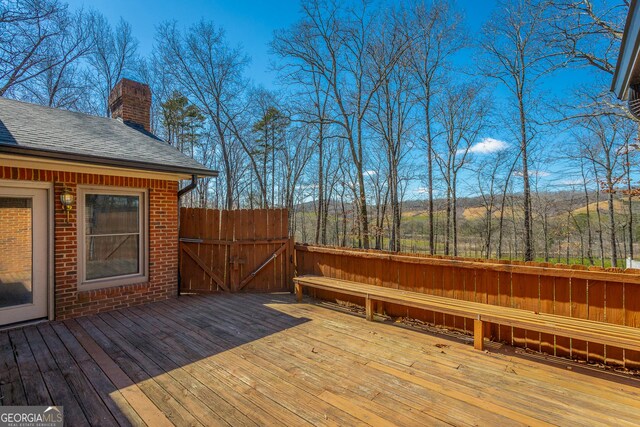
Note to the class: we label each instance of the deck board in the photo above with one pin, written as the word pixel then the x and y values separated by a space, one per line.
pixel 262 359
pixel 33 382
pixel 114 402
pixel 11 388
pixel 58 385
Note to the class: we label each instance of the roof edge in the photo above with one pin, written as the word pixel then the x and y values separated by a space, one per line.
pixel 104 161
pixel 629 53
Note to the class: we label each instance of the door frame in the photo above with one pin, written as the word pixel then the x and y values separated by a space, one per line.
pixel 48 186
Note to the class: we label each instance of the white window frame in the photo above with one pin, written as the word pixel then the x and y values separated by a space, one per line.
pixel 143 256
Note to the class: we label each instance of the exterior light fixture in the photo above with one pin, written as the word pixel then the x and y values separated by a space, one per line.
pixel 67 199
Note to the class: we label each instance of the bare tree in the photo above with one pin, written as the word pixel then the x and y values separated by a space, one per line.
pixel 588 32
pixel 296 153
pixel 338 42
pixel 318 116
pixel 506 188
pixel 392 120
pixel 210 71
pixel 491 181
pixel 436 36
pixel 585 186
pixel 60 84
pixel 268 128
pixel 378 190
pixel 601 146
pixel 114 52
pixel 517 57
pixel 462 113
pixel 333 158
pixel 30 32
pixel 630 162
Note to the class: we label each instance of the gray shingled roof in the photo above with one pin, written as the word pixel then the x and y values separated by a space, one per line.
pixel 38 131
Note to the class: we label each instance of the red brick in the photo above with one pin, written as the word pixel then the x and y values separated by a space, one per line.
pixel 163 245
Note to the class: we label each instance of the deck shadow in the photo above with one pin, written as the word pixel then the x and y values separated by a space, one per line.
pixel 96 366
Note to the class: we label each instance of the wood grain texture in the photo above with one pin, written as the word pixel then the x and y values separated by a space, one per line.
pixel 605 295
pixel 262 359
pixel 560 324
pixel 223 250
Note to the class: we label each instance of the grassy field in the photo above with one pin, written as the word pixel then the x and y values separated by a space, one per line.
pixel 422 246
pixel 562 232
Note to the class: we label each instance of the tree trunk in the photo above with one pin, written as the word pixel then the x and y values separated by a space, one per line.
pixel 528 237
pixel 589 233
pixel 447 232
pixel 545 230
pixel 454 218
pixel 612 230
pixel 630 200
pixel 432 246
pixel 362 217
pixel 320 212
pixel 600 237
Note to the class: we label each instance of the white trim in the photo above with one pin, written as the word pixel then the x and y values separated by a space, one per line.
pixel 49 207
pixel 50 234
pixel 51 212
pixel 143 275
pixel 13 160
pixel 27 184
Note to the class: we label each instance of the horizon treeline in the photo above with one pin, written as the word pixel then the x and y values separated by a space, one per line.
pixel 376 104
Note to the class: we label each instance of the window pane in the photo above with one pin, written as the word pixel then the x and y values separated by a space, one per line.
pixel 16 238
pixel 109 256
pixel 111 214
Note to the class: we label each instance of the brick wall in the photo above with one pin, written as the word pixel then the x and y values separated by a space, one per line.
pixel 163 244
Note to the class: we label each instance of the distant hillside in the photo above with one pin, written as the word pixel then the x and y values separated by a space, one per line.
pixel 618 207
pixel 472 208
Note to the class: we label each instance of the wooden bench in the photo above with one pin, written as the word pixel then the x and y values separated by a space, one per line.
pixel 588 330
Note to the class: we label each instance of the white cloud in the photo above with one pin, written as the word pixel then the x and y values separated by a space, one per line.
pixel 488 146
pixel 536 173
pixel 573 181
pixel 307 186
pixel 370 173
pixel 422 190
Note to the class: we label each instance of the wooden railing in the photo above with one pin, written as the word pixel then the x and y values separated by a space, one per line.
pixel 606 295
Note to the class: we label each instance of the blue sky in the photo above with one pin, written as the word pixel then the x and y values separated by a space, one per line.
pixel 247 23
pixel 250 23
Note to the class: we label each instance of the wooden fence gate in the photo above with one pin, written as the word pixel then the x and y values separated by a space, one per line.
pixel 235 251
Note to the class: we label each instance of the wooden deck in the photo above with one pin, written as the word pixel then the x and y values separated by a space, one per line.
pixel 261 359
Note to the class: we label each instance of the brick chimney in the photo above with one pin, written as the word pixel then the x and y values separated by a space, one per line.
pixel 131 102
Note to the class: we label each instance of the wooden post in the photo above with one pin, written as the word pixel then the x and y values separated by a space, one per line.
pixel 369 308
pixel 180 266
pixel 287 267
pixel 478 334
pixel 234 266
pixel 380 307
pixel 294 273
pixel 298 287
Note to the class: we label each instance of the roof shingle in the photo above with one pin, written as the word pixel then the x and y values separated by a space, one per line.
pixel 40 131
